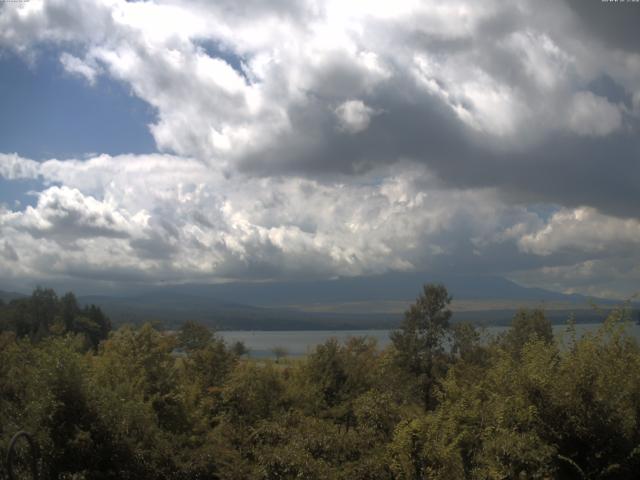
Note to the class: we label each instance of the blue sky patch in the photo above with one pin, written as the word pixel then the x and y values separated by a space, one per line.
pixel 48 113
pixel 18 194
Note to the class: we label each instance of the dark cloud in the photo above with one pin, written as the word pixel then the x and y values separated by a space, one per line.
pixel 616 23
pixel 9 253
pixel 409 125
pixel 562 168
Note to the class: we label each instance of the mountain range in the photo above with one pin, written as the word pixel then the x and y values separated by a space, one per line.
pixel 342 303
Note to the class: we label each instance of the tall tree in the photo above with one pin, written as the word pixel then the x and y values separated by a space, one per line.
pixel 420 341
pixel 526 326
pixel 194 336
pixel 43 308
pixel 69 309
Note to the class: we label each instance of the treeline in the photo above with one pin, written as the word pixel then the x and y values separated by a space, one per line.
pixel 440 403
pixel 43 314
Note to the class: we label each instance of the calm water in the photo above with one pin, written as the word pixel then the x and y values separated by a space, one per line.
pixel 303 342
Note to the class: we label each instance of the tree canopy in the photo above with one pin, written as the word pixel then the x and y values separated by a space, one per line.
pixel 441 402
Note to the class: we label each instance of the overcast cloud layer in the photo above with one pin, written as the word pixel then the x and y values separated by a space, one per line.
pixel 318 139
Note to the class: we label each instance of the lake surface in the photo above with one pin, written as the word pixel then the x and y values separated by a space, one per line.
pixel 302 342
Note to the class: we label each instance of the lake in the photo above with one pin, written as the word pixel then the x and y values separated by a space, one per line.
pixel 302 342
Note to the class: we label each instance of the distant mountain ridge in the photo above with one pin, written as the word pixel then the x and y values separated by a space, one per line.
pixel 171 309
pixel 281 305
pixel 8 296
pixel 319 304
pixel 391 286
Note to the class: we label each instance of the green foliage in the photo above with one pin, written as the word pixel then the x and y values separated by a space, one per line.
pixel 420 343
pixel 335 375
pixel 239 348
pixel 146 404
pixel 252 393
pixel 194 336
pixel 376 414
pixel 426 447
pixel 526 326
pixel 44 314
pixel 279 352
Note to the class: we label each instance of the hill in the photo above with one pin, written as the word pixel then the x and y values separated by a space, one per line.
pixel 8 296
pixel 387 287
pixel 343 303
pixel 171 309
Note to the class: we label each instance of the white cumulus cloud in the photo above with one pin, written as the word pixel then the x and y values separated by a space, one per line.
pixel 354 116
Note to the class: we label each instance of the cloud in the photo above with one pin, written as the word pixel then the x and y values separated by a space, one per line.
pixel 159 218
pixel 190 222
pixel 586 252
pixel 593 115
pixel 354 116
pixel 14 167
pixel 333 138
pixel 76 66
pixel 29 23
pixel 613 23
pixel 582 229
pixel 616 278
pixel 9 253
pixel 65 213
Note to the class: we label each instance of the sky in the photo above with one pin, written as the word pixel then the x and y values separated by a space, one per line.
pixel 187 141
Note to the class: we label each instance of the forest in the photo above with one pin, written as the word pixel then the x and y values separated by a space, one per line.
pixel 443 401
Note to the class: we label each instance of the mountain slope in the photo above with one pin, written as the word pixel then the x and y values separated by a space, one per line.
pixel 172 309
pixel 344 303
pixel 392 286
pixel 8 296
